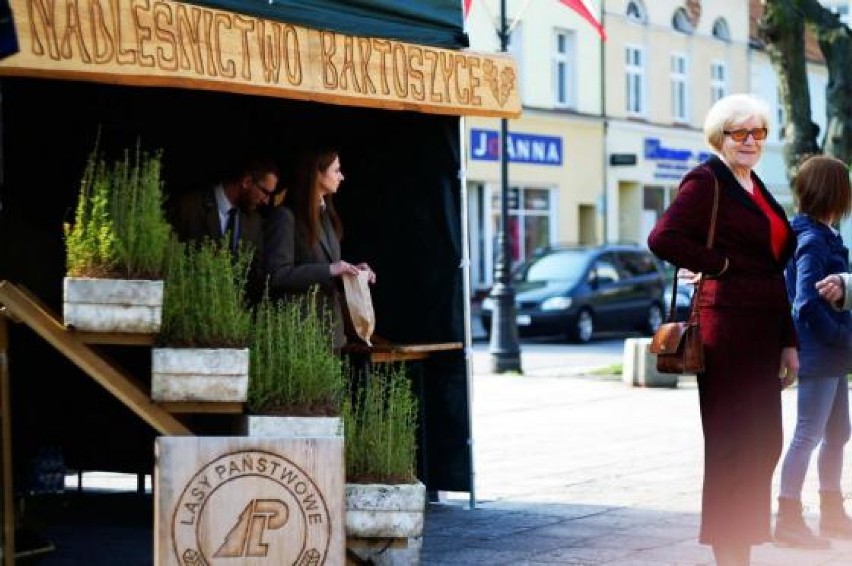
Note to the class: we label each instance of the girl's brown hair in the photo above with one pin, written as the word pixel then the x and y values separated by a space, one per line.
pixel 823 189
pixel 303 198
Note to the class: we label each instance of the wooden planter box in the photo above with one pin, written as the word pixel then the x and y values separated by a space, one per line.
pixel 385 511
pixel 389 515
pixel 269 426
pixel 199 374
pixel 113 305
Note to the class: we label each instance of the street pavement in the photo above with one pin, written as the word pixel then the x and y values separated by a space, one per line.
pixel 576 468
pixel 572 467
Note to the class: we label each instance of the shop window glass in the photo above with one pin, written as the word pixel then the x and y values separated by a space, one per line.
pixel 530 211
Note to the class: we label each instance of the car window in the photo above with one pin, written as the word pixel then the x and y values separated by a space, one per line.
pixel 637 263
pixel 605 270
pixel 563 265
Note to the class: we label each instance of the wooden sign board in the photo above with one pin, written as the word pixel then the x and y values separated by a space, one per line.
pixel 249 501
pixel 166 43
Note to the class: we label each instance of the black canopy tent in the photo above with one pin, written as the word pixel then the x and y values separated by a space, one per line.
pixel 401 205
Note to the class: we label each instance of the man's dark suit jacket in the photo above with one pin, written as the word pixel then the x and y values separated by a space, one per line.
pixel 293 266
pixel 195 216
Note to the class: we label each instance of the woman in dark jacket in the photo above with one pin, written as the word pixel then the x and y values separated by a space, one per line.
pixel 302 238
pixel 746 326
pixel 825 349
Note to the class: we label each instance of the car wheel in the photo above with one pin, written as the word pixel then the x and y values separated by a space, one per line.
pixel 584 327
pixel 654 319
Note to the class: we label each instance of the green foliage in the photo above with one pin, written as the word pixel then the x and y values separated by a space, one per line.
pixel 381 428
pixel 90 241
pixel 293 369
pixel 204 303
pixel 119 226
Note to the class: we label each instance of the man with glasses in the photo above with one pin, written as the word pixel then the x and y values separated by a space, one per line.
pixel 231 209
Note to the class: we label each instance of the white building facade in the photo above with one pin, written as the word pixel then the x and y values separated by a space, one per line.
pixel 556 162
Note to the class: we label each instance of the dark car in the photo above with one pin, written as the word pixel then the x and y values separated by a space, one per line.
pixel 577 291
pixel 683 298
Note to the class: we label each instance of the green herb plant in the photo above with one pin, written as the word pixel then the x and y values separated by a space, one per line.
pixel 293 369
pixel 380 426
pixel 204 301
pixel 119 229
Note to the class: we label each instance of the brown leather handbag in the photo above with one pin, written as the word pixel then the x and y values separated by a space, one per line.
pixel 678 345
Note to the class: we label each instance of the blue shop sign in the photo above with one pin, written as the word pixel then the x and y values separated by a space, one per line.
pixel 523 148
pixel 672 163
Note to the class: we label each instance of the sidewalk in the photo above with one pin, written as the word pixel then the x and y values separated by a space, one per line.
pixel 585 470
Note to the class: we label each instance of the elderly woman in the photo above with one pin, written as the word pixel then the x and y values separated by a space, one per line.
pixel 746 326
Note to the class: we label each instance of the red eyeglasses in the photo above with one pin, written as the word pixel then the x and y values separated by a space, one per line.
pixel 757 134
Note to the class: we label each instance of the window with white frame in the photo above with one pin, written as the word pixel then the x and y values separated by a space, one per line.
pixel 515 49
pixel 721 30
pixel 636 12
pixel 680 21
pixel 718 81
pixel 680 98
pixel 780 115
pixel 531 221
pixel 634 68
pixel 564 65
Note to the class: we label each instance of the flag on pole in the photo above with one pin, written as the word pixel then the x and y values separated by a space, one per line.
pixel 578 6
pixel 581 8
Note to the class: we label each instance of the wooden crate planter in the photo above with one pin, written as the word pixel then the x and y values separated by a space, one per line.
pixel 385 511
pixel 241 500
pixel 269 426
pixel 199 374
pixel 113 305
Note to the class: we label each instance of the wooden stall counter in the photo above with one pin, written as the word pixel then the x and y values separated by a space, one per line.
pixel 384 351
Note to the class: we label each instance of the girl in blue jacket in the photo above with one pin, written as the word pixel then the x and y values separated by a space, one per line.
pixel 825 355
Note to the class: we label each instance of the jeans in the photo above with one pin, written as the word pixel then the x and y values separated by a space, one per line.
pixel 823 415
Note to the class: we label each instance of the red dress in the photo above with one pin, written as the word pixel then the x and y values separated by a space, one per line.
pixel 745 323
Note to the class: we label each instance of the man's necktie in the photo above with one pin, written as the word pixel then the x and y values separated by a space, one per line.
pixel 232 230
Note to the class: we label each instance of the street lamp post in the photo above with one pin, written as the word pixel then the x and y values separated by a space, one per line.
pixel 504 347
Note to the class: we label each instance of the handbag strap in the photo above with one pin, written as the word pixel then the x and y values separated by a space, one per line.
pixel 711 236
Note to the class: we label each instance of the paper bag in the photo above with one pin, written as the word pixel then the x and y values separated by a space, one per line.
pixel 360 304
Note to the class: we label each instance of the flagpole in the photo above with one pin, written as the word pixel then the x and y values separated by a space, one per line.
pixel 504 346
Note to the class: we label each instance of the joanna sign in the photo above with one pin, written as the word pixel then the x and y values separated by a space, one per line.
pixel 523 148
pixel 273 501
pixel 165 43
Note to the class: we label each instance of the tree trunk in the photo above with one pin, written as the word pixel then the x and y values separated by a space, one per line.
pixel 782 29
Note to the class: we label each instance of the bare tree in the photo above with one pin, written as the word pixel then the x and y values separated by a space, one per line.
pixel 782 29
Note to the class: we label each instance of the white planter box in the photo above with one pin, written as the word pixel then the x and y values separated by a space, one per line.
pixel 113 305
pixel 267 426
pixel 385 511
pixel 199 374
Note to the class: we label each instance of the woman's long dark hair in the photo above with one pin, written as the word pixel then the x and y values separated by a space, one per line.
pixel 303 198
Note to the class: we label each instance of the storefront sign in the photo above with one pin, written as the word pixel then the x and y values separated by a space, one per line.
pixel 165 43
pixel 522 148
pixel 671 163
pixel 616 159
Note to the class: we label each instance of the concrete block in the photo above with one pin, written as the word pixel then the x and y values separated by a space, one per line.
pixel 639 367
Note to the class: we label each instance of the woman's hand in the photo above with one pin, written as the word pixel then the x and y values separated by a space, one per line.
pixel 364 267
pixel 831 288
pixel 341 267
pixel 688 276
pixel 789 367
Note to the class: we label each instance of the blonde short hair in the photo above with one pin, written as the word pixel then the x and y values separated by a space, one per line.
pixel 730 110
